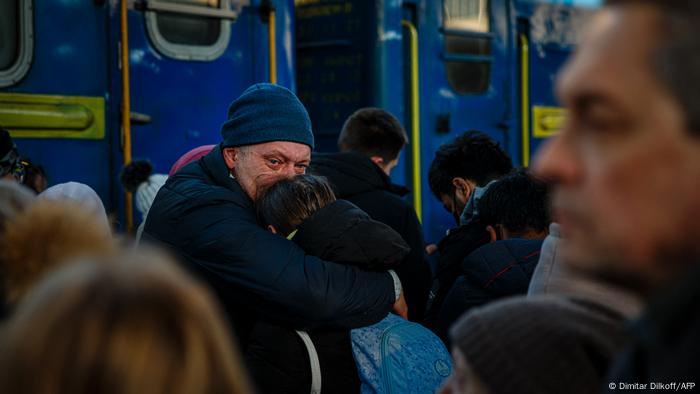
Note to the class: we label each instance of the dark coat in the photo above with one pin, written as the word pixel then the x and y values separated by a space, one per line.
pixel 666 340
pixel 276 357
pixel 496 270
pixel 204 217
pixel 452 250
pixel 357 179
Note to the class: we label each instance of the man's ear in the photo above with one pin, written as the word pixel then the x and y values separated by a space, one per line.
pixel 230 157
pixel 272 229
pixel 463 188
pixel 492 233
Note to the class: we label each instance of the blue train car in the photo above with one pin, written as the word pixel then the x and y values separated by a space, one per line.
pixel 62 70
pixel 444 67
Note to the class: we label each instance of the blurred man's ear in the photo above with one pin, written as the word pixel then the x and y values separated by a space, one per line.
pixel 272 229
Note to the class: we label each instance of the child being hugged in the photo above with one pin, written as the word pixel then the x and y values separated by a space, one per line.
pixel 392 356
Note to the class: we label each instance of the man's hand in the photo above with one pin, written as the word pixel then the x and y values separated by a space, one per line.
pixel 400 307
pixel 430 249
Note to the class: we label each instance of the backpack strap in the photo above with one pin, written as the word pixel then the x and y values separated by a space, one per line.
pixel 313 359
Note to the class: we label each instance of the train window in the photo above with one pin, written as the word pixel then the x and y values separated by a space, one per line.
pixel 466 15
pixel 467 45
pixel 190 37
pixel 16 40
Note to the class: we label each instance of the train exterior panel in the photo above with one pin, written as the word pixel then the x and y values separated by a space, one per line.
pixel 477 64
pixel 443 67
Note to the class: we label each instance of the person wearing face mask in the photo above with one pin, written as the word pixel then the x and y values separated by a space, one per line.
pixel 459 175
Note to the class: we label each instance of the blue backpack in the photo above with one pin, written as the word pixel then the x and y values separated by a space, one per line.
pixel 398 356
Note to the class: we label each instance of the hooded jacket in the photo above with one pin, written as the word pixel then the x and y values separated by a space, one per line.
pixel 357 179
pixel 277 357
pixel 496 270
pixel 206 219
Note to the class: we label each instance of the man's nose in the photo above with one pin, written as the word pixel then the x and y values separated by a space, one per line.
pixel 289 171
pixel 555 161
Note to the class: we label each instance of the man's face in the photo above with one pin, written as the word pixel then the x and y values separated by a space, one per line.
pixel 626 170
pixel 261 165
pixel 455 202
pixel 453 205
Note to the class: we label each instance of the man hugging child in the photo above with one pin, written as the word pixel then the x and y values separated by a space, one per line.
pixel 393 355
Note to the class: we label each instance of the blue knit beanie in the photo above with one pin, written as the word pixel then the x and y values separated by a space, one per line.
pixel 264 113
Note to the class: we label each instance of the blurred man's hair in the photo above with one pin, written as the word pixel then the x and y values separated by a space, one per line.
pixel 133 323
pixel 517 202
pixel 473 156
pixel 373 132
pixel 14 198
pixel 45 236
pixel 287 203
pixel 677 58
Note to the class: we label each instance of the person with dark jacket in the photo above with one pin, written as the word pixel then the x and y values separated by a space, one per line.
pixel 205 215
pixel 626 171
pixel 459 175
pixel 370 144
pixel 515 215
pixel 304 209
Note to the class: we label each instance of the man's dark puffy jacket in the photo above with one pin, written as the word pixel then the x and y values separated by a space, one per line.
pixel 357 179
pixel 276 356
pixel 665 346
pixel 452 250
pixel 495 270
pixel 204 217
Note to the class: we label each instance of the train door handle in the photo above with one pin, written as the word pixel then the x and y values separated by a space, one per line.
pixel 139 119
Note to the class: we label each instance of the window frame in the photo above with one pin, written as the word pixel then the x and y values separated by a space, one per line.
pixel 189 52
pixel 450 57
pixel 20 67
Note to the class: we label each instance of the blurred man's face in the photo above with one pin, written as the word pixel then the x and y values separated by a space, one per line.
pixel 258 166
pixel 627 172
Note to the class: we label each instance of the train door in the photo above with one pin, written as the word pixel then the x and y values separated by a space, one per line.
pixel 466 79
pixel 188 60
pixel 55 87
pixel 547 34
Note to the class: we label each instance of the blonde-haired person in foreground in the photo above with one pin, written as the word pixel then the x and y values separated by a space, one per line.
pixel 45 236
pixel 131 324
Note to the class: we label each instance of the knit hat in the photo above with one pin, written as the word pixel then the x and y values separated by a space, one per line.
pixel 265 113
pixel 540 345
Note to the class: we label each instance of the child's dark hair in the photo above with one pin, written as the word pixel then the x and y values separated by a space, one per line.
pixel 518 202
pixel 287 203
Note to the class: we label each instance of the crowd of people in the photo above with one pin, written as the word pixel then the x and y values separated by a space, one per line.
pixel 260 266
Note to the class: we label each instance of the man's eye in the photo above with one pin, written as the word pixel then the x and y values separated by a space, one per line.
pixel 274 162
